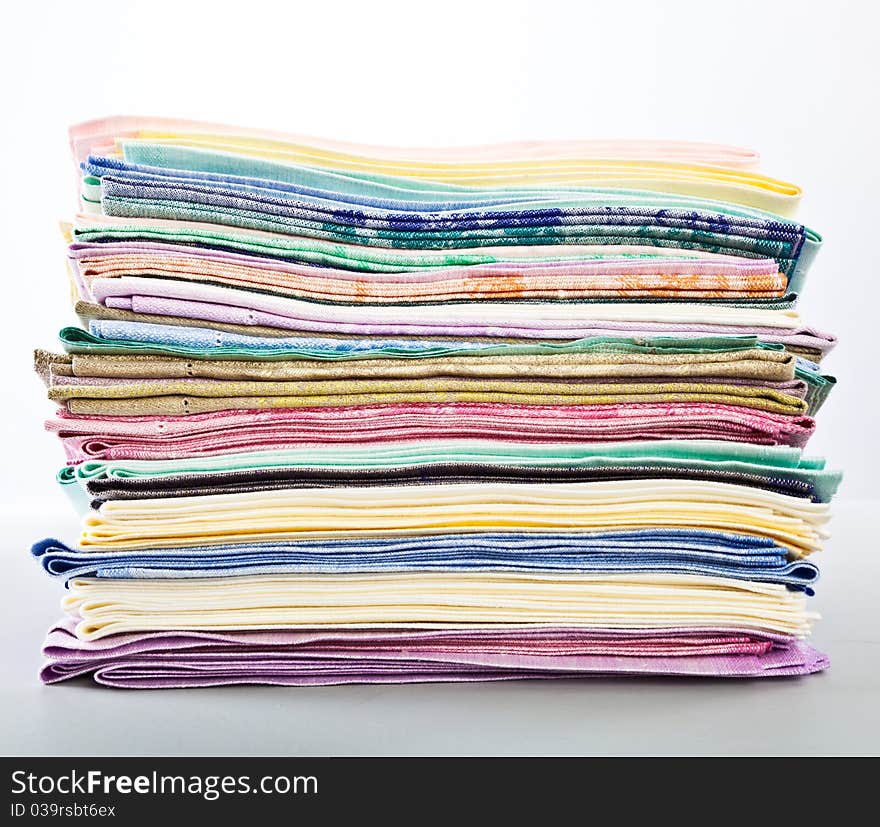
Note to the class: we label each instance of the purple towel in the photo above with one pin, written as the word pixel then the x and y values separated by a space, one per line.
pixel 321 657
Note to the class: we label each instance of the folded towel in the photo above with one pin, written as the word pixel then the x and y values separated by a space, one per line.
pixel 166 296
pixel 189 658
pixel 182 396
pixel 86 136
pixel 546 219
pixel 612 273
pixel 754 364
pixel 692 169
pixel 135 338
pixel 233 432
pixel 179 331
pixel 358 414
pixel 240 482
pixel 759 465
pixel 792 246
pixel 713 553
pixel 637 600
pixel 396 511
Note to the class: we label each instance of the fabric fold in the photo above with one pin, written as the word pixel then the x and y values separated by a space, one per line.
pixel 241 431
pixel 394 511
pixel 341 413
pixel 714 553
pixel 188 659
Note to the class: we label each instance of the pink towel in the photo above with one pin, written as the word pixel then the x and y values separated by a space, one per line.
pixel 172 437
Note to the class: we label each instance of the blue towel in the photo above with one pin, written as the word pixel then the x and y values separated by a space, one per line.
pixel 670 551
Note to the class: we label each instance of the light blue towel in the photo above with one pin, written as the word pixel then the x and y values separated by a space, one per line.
pixel 653 550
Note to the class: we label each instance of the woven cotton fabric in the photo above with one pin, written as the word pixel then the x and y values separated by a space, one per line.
pixel 339 413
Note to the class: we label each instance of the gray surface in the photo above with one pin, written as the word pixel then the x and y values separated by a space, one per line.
pixel 833 713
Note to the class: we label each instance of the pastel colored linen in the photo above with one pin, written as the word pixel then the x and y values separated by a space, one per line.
pixel 616 273
pixel 692 169
pixel 232 432
pixel 802 340
pixel 755 364
pixel 468 508
pixel 792 247
pixel 181 396
pixel 759 368
pixel 432 599
pixel 357 414
pixel 85 136
pixel 144 294
pixel 132 338
pixel 714 553
pixel 599 217
pixel 157 660
pixel 233 158
pixel 769 464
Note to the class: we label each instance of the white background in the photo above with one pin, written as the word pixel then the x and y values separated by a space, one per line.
pixel 795 80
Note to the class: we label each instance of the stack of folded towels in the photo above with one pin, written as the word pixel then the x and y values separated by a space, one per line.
pixel 341 413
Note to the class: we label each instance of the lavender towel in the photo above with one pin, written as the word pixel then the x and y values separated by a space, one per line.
pixel 163 660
